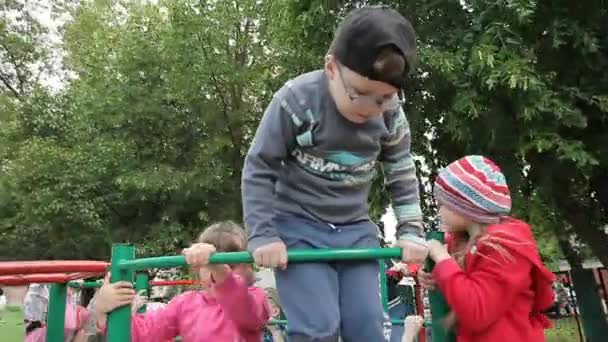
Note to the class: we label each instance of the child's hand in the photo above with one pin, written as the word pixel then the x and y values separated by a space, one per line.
pixel 113 295
pixel 140 300
pixel 438 251
pixel 198 255
pixel 413 253
pixel 271 255
pixel 426 280
pixel 411 327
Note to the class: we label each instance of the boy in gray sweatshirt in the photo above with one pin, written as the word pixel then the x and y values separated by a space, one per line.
pixel 308 174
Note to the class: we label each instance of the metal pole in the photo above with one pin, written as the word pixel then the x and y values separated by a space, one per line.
pixel 439 307
pixel 306 255
pixel 85 284
pixel 56 313
pixel 383 285
pixel 141 283
pixel 119 320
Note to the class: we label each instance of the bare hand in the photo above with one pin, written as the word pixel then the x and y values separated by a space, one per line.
pixel 140 300
pixel 271 255
pixel 438 251
pixel 413 253
pixel 198 254
pixel 426 280
pixel 113 295
pixel 412 325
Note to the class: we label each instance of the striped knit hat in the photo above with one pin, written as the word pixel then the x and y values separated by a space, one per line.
pixel 474 187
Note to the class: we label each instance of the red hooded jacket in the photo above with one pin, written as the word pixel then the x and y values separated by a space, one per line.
pixel 503 289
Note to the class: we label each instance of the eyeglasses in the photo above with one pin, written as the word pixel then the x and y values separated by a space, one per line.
pixel 369 101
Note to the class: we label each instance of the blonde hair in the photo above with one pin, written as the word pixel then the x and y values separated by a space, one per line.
pixel 225 236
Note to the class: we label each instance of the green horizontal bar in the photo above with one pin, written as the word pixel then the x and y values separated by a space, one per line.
pixel 393 322
pixel 302 255
pixel 86 284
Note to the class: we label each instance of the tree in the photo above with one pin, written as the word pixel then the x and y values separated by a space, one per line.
pixel 153 130
pixel 501 82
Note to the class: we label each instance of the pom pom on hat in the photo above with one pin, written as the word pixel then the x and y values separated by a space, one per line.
pixel 474 187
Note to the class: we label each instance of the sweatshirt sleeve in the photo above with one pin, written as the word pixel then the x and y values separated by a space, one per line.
pixel 157 326
pixel 246 306
pixel 401 180
pixel 270 147
pixel 482 295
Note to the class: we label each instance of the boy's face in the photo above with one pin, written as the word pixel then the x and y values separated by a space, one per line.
pixel 358 98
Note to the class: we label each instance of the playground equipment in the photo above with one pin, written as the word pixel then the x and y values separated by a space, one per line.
pixel 123 267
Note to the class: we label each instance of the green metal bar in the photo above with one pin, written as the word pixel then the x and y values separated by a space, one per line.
pixel 383 285
pixel 119 320
pixel 141 284
pixel 86 284
pixel 304 255
pixel 56 313
pixel 439 307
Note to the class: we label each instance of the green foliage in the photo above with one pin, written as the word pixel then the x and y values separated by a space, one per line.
pixel 145 143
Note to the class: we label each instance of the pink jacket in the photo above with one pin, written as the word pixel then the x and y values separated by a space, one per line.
pixel 235 314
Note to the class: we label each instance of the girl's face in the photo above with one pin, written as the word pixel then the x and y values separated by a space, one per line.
pixel 275 312
pixel 452 221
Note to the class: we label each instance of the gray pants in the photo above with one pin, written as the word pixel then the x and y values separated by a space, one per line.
pixel 323 301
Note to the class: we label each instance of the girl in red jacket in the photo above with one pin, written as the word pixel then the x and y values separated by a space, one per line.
pixel 493 278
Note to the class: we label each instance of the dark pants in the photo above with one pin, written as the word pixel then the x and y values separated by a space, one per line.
pixel 323 301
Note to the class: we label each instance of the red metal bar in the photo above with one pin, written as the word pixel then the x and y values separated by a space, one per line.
pixel 49 278
pixel 55 266
pixel 173 282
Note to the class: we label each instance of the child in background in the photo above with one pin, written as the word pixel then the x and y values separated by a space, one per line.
pixel 274 333
pixel 230 310
pixel 36 305
pixel 76 319
pixel 307 177
pixel 493 279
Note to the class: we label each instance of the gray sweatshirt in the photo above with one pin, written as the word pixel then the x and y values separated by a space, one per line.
pixel 308 160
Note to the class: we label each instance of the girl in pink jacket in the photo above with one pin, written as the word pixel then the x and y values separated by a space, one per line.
pixel 230 310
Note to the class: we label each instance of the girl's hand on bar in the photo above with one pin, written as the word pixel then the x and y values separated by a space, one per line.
pixel 198 256
pixel 140 300
pixel 113 295
pixel 438 251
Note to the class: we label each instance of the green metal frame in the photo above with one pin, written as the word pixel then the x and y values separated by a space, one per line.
pixel 124 265
pixel 141 283
pixel 119 320
pixel 56 314
pixel 439 307
pixel 306 255
pixel 383 285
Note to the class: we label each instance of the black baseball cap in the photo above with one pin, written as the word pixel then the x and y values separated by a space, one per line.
pixel 368 30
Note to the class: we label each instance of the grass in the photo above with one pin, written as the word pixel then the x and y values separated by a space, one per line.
pixel 564 330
